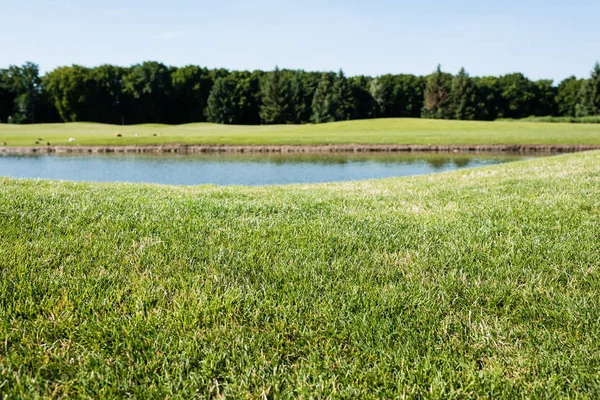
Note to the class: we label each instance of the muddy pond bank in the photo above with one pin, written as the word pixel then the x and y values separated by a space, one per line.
pixel 332 148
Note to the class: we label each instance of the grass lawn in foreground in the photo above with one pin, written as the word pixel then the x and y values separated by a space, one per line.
pixel 377 131
pixel 468 284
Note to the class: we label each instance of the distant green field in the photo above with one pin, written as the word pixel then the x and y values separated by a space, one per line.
pixel 378 131
pixel 480 283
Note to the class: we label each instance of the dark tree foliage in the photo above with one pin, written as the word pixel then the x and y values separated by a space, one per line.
pixel 153 92
pixel 364 103
pixel 567 96
pixel 45 110
pixel 299 112
pixel 104 96
pixel 487 98
pixel 21 85
pixel 322 105
pixel 87 94
pixel 517 95
pixel 7 96
pixel 589 95
pixel 342 102
pixel 544 102
pixel 463 96
pixel 246 96
pixel 309 81
pixel 191 88
pixel 147 89
pixel 220 105
pixel 402 96
pixel 277 103
pixel 437 95
pixel 66 86
pixel 379 97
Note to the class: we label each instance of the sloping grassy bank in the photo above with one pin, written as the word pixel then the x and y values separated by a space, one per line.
pixel 574 120
pixel 478 283
pixel 377 131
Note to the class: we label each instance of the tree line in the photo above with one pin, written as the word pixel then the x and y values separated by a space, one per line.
pixel 152 92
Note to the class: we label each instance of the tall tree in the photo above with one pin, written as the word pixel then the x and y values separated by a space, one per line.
pixel 377 91
pixel 463 96
pixel 105 100
pixel 364 104
pixel 24 83
pixel 322 101
pixel 298 107
pixel 341 98
pixel 487 98
pixel 191 88
pixel 246 96
pixel 148 90
pixel 6 96
pixel 567 96
pixel 220 106
pixel 517 96
pixel 276 102
pixel 402 96
pixel 437 95
pixel 544 102
pixel 86 94
pixel 67 89
pixel 589 95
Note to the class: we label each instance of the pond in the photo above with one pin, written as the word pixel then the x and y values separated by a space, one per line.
pixel 239 169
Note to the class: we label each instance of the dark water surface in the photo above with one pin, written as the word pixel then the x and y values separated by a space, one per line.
pixel 239 169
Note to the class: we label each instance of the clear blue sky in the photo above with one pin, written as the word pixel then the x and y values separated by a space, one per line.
pixel 542 39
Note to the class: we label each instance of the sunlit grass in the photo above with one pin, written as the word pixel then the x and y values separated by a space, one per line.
pixel 378 131
pixel 474 283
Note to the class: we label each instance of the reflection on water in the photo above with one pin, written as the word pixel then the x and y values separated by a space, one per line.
pixel 239 169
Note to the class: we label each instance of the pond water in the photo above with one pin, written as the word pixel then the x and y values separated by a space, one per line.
pixel 239 169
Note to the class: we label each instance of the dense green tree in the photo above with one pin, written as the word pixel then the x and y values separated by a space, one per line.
pixel 6 96
pixel 106 95
pixel 322 107
pixel 147 88
pixel 567 96
pixel 437 95
pixel 191 88
pixel 463 96
pixel 487 97
pixel 246 96
pixel 103 100
pixel 589 95
pixel 544 102
pixel 276 105
pixel 22 85
pixel 378 94
pixel 67 89
pixel 517 95
pixel 297 101
pixel 309 82
pixel 364 104
pixel 408 94
pixel 220 105
pixel 153 92
pixel 86 94
pixel 342 102
pixel 402 96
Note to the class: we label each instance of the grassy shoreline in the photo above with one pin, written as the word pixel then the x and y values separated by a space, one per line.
pixel 474 283
pixel 378 131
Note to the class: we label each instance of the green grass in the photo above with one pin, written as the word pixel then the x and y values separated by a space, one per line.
pixel 379 131
pixel 468 284
pixel 574 120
